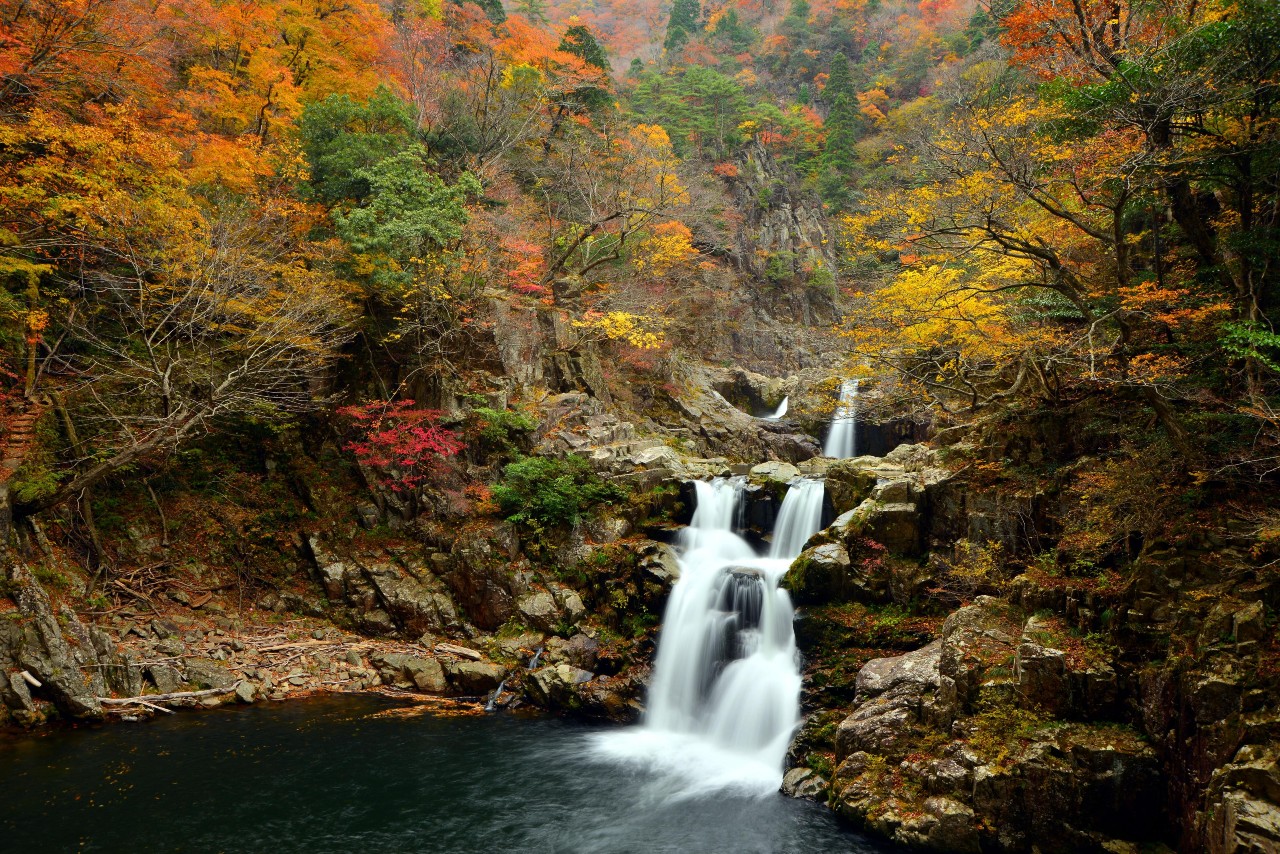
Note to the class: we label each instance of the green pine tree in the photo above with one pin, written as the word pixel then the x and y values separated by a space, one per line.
pixel 844 126
pixel 683 23
pixel 534 10
pixel 582 43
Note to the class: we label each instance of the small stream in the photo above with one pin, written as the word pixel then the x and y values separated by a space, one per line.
pixel 327 775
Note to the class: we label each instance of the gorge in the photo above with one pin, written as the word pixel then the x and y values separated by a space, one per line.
pixel 640 425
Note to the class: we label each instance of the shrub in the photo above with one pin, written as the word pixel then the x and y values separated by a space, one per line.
pixel 497 429
pixel 403 444
pixel 544 492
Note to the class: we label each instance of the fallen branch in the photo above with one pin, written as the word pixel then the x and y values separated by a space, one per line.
pixel 157 708
pixel 460 651
pixel 148 699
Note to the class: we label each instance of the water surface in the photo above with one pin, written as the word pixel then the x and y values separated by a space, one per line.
pixel 326 775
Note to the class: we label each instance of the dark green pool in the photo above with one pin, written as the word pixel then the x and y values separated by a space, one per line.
pixel 326 775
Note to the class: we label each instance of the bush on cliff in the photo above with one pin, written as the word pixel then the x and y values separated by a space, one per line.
pixel 546 492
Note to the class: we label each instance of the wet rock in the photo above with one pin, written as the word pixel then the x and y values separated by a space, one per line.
pixel 803 783
pixel 820 574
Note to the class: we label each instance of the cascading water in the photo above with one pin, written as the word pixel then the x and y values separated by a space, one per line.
pixel 799 519
pixel 842 440
pixel 780 412
pixel 725 695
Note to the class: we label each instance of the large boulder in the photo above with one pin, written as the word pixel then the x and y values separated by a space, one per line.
pixel 411 672
pixel 949 748
pixel 44 652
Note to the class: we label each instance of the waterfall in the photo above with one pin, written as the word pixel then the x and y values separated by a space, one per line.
pixel 724 700
pixel 780 411
pixel 798 520
pixel 492 705
pixel 842 441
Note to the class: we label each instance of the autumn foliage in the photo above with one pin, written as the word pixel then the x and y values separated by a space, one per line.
pixel 402 442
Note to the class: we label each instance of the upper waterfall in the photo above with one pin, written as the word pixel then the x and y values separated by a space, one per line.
pixel 842 440
pixel 780 411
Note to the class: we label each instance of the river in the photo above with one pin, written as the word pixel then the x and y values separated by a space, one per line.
pixel 341 775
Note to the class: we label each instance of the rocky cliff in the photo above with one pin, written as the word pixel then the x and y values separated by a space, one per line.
pixel 1052 710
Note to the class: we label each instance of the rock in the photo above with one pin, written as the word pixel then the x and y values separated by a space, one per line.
pixel 820 574
pixel 473 677
pixel 897 527
pixel 803 783
pixel 658 560
pixel 414 597
pixel 245 692
pixel 849 483
pixel 571 604
pixel 884 726
pixel 166 679
pixel 581 651
pixel 204 673
pixel 1041 673
pixel 557 686
pixel 918 668
pixel 18 697
pixel 411 672
pixel 540 609
pixel 774 473
pixel 42 650
pixel 1249 623
pixel 478 575
pixel 946 825
pixel 1243 803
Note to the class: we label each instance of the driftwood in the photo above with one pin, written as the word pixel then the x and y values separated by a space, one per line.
pixel 460 651
pixel 150 699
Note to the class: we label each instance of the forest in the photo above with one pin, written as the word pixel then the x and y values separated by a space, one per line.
pixel 290 282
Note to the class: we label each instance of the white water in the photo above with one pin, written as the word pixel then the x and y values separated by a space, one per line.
pixel 842 441
pixel 780 411
pixel 725 695
pixel 798 520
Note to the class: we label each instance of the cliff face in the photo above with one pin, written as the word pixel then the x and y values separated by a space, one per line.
pixel 1064 707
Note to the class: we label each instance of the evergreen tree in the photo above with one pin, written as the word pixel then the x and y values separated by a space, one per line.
pixel 582 43
pixel 844 124
pixel 534 10
pixel 492 9
pixel 683 23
